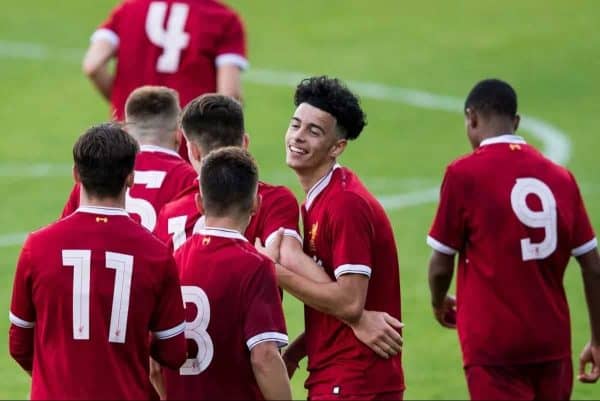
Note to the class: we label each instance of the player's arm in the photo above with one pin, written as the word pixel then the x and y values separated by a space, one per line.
pixel 590 268
pixel 229 81
pixel 95 65
pixel 231 60
pixel 156 379
pixel 22 313
pixel 270 371
pixel 441 270
pixel 294 353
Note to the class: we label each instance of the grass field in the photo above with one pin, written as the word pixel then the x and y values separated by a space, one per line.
pixel 547 49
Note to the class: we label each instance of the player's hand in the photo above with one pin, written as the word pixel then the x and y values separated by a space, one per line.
pixel 589 355
pixel 380 332
pixel 445 314
pixel 290 364
pixel 272 250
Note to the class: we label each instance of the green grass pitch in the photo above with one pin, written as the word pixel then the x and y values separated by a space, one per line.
pixel 547 49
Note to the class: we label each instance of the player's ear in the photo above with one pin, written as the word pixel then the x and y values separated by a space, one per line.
pixel 338 148
pixel 471 118
pixel 199 201
pixel 516 122
pixel 245 141
pixel 194 152
pixel 129 180
pixel 256 204
pixel 76 176
pixel 178 137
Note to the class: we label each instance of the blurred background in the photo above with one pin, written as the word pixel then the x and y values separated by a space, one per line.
pixel 412 62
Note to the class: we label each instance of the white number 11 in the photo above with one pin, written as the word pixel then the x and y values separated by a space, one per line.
pixel 81 260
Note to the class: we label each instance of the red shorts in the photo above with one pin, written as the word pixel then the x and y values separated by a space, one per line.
pixel 389 396
pixel 539 381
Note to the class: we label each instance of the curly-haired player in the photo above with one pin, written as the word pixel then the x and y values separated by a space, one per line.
pixel 348 235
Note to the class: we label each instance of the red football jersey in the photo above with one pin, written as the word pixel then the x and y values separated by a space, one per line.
pixel 160 176
pixel 173 43
pixel 94 284
pixel 232 304
pixel 347 231
pixel 179 219
pixel 515 218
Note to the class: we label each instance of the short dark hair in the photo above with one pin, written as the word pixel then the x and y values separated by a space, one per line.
pixel 104 156
pixel 334 97
pixel 214 121
pixel 228 178
pixel 492 96
pixel 153 102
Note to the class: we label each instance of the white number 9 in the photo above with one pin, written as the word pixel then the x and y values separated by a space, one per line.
pixel 545 218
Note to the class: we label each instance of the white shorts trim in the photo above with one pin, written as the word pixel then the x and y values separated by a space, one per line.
pixel 438 246
pixel 280 338
pixel 17 321
pixel 106 34
pixel 232 58
pixel 169 333
pixel 287 233
pixel 585 248
pixel 352 269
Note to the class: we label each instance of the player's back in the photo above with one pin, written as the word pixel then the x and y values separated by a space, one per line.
pixel 175 43
pixel 232 304
pixel 522 217
pixel 96 279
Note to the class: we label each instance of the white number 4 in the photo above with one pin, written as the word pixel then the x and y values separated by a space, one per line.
pixel 81 261
pixel 545 218
pixel 173 39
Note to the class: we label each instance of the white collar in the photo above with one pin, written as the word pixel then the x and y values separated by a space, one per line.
pixel 319 187
pixel 108 211
pixel 222 232
pixel 507 138
pixel 159 149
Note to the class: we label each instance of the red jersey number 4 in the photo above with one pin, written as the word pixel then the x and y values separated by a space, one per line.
pixel 173 39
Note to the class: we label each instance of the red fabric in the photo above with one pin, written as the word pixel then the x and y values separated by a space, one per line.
pixel 278 208
pixel 243 302
pixel 346 225
pixel 390 396
pixel 510 311
pixel 178 175
pixel 213 29
pixel 542 381
pixel 43 294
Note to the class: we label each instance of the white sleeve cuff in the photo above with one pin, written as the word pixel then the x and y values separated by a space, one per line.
pixel 105 34
pixel 287 233
pixel 438 246
pixel 352 269
pixel 17 321
pixel 279 338
pixel 585 248
pixel 232 58
pixel 169 333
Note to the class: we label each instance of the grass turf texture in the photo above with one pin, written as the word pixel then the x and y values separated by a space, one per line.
pixel 545 49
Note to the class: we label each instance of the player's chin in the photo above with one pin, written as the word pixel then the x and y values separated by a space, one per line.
pixel 295 162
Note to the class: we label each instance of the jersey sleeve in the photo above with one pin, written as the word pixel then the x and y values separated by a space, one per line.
pixel 22 310
pixel 72 202
pixel 231 46
pixel 351 234
pixel 448 230
pixel 283 212
pixel 109 29
pixel 264 319
pixel 168 318
pixel 583 238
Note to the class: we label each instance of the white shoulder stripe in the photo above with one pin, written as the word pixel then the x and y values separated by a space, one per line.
pixel 352 269
pixel 17 321
pixel 287 233
pixel 585 248
pixel 438 246
pixel 106 34
pixel 169 333
pixel 280 338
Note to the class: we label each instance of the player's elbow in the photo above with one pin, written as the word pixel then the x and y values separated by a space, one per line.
pixel 351 311
pixel 89 68
pixel 171 353
pixel 263 356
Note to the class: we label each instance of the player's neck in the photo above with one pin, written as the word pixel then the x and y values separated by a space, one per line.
pixel 118 202
pixel 308 178
pixel 227 222
pixel 161 144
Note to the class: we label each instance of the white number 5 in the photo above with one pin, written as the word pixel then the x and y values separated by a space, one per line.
pixel 545 218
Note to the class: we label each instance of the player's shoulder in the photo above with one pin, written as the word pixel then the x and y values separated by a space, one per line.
pixel 274 191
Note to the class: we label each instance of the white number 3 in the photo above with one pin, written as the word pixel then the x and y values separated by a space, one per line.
pixel 173 39
pixel 545 218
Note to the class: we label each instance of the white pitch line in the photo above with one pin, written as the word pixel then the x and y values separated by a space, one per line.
pixel 12 239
